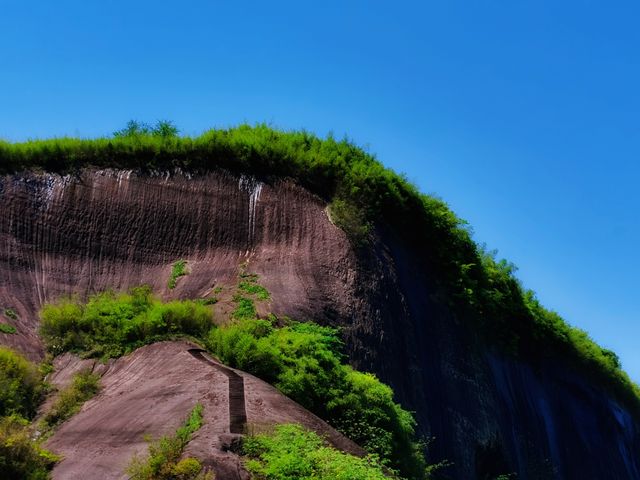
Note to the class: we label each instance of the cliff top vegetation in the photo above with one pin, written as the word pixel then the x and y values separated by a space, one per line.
pixel 480 289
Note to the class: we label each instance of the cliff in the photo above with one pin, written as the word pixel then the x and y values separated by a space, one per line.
pixel 488 413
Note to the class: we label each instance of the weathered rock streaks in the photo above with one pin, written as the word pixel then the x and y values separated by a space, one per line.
pixel 116 229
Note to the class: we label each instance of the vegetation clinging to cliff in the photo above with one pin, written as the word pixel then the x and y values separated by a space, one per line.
pixel 21 386
pixel 292 452
pixel 110 325
pixel 69 401
pixel 304 362
pixel 21 389
pixel 479 289
pixel 164 459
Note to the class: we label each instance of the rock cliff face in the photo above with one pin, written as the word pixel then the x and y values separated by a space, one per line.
pixel 488 415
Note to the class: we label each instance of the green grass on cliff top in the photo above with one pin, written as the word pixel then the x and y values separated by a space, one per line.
pixel 478 288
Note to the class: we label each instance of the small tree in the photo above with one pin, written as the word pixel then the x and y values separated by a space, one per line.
pixel 165 129
pixel 133 129
pixel 162 129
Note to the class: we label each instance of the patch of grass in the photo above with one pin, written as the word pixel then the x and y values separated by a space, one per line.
pixel 291 452
pixel 253 288
pixel 21 458
pixel 70 400
pixel 163 461
pixel 5 328
pixel 245 308
pixel 111 325
pixel 11 313
pixel 178 270
pixel 248 284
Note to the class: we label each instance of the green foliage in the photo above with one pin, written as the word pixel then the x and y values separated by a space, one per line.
pixel 20 384
pixel 351 219
pixel 163 461
pixel 245 308
pixel 366 413
pixel 69 401
pixel 20 457
pixel 5 328
pixel 304 361
pixel 207 301
pixel 11 313
pixel 179 269
pixel 135 129
pixel 251 287
pixel 480 290
pixel 248 284
pixel 515 320
pixel 111 325
pixel 291 452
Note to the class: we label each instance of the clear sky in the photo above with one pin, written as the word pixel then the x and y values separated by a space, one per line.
pixel 522 115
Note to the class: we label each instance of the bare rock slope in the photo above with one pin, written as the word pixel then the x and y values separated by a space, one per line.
pixel 489 414
pixel 151 392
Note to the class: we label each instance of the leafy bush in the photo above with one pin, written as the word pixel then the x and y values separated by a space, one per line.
pixel 133 129
pixel 163 461
pixel 304 362
pixel 5 328
pixel 20 457
pixel 291 452
pixel 20 384
pixel 351 219
pixel 11 313
pixel 111 324
pixel 249 285
pixel 84 386
pixel 179 269
pixel 245 308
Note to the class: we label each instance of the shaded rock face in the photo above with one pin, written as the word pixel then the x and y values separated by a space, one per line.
pixel 116 229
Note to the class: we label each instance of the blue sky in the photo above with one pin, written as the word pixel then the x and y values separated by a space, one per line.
pixel 523 116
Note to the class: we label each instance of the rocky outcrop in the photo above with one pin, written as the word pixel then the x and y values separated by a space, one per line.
pixel 488 414
pixel 150 393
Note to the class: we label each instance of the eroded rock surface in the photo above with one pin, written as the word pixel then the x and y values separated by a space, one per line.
pixel 488 415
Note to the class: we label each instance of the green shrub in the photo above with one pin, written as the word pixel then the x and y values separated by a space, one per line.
pixel 350 218
pixel 245 308
pixel 20 384
pixel 69 401
pixel 11 313
pixel 291 452
pixel 179 269
pixel 20 457
pixel 111 324
pixel 304 361
pixel 4 328
pixel 252 288
pixel 135 129
pixel 163 461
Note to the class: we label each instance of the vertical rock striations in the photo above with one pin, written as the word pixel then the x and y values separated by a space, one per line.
pixel 489 415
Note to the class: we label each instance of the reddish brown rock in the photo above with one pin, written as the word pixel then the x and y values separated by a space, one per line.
pixel 489 414
pixel 151 392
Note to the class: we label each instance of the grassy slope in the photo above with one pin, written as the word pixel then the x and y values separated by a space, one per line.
pixel 478 288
